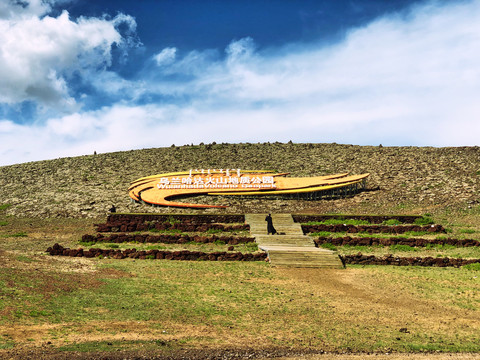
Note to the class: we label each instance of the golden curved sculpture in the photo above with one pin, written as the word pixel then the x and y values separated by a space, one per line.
pixel 157 189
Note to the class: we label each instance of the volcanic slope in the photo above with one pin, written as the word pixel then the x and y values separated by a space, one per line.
pixel 403 179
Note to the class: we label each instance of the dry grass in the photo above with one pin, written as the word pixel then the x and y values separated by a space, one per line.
pixel 51 304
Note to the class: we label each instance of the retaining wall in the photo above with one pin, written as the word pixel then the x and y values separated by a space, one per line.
pixel 166 238
pixel 371 241
pixel 197 219
pixel 373 219
pixel 372 229
pixel 58 250
pixel 361 259
pixel 122 226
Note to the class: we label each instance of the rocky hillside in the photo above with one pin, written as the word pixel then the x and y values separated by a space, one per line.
pixel 403 179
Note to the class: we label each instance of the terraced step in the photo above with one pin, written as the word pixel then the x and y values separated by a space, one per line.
pixel 289 247
pixel 284 240
pixel 283 223
pixel 302 257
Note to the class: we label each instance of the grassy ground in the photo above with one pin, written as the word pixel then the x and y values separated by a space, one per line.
pixel 76 304
pixel 236 304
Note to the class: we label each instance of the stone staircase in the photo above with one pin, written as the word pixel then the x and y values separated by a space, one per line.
pixel 289 247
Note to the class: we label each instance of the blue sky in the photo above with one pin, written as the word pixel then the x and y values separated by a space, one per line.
pixel 83 76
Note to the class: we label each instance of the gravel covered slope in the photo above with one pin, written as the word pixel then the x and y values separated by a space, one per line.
pixel 403 179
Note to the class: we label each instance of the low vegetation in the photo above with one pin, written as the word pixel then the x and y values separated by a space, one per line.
pixel 247 301
pixel 156 307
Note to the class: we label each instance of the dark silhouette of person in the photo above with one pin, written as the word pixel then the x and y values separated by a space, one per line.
pixel 113 209
pixel 270 228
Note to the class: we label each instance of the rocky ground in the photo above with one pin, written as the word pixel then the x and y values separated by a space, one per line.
pixel 403 179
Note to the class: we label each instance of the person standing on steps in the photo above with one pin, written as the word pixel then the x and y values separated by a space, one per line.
pixel 270 228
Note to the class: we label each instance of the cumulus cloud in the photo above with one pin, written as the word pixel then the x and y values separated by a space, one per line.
pixel 166 56
pixel 11 9
pixel 410 78
pixel 38 53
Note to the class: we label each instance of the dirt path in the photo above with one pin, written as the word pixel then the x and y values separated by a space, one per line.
pixel 350 293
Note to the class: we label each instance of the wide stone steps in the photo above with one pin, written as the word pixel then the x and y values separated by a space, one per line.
pixel 283 223
pixel 290 247
pixel 302 257
pixel 284 240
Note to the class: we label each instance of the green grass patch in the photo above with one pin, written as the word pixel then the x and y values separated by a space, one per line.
pixel 38 313
pixel 172 220
pixel 87 243
pixel 474 266
pixel 6 344
pixel 18 234
pixel 249 247
pixel 3 223
pixel 424 220
pixel 4 206
pixel 440 247
pixel 328 246
pixel 24 258
pixel 108 346
pixel 214 231
pixel 467 231
pixel 339 221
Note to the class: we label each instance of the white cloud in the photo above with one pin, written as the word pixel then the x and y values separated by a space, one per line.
pixel 166 56
pixel 404 79
pixel 18 9
pixel 37 54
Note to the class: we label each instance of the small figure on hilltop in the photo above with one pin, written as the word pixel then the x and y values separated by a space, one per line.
pixel 113 209
pixel 270 228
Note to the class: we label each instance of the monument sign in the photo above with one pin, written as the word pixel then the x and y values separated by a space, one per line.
pixel 158 189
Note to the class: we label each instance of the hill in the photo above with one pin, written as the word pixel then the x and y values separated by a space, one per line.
pixel 412 180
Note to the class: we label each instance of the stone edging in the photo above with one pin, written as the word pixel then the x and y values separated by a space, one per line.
pixel 413 242
pixel 372 229
pixel 166 238
pixel 58 250
pixel 361 259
